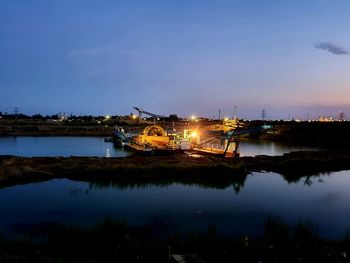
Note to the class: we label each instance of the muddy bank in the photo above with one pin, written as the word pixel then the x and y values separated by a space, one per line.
pixel 175 168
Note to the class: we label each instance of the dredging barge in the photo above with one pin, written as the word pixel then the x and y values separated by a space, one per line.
pixel 221 140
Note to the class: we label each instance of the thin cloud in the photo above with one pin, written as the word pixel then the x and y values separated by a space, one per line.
pixel 93 51
pixel 332 48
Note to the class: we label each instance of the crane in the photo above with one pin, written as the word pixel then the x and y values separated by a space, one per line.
pixel 141 111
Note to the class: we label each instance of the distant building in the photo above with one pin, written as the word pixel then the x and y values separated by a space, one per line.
pixel 325 119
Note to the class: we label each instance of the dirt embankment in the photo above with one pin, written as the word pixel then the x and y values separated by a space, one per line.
pixel 174 168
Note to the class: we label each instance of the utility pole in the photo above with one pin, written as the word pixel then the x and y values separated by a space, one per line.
pixel 16 112
pixel 16 117
pixel 341 116
pixel 235 113
pixel 219 114
pixel 263 114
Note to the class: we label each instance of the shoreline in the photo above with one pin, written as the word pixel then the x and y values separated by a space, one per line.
pixel 206 170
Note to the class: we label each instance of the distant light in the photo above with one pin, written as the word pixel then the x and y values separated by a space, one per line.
pixel 134 117
pixel 158 119
pixel 193 117
pixel 107 117
pixel 226 119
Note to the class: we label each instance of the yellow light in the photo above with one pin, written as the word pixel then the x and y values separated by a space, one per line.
pixel 107 117
pixel 225 119
pixel 193 117
pixel 193 134
pixel 134 117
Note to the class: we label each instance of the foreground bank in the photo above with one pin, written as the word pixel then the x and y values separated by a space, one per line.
pixel 115 241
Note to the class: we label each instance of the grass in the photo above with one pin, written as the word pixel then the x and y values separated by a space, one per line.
pixel 116 241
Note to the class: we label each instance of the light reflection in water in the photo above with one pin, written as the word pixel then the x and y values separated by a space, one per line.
pixel 108 153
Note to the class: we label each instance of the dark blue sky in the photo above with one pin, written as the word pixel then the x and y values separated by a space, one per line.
pixel 180 56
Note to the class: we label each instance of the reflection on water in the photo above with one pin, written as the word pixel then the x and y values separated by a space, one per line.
pixel 186 208
pixel 236 182
pixel 95 146
pixel 254 147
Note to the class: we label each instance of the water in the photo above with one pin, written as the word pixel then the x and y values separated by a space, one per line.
pixel 252 148
pixel 58 146
pixel 185 208
pixel 95 146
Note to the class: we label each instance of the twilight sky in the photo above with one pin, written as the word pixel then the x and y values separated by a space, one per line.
pixel 176 56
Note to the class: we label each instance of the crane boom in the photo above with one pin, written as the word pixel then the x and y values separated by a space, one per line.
pixel 141 111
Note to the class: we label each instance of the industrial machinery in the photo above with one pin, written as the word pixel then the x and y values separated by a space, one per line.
pixel 155 116
pixel 220 139
pixel 154 136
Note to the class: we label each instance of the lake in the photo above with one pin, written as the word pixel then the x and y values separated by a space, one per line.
pixel 95 146
pixel 180 208
pixel 50 146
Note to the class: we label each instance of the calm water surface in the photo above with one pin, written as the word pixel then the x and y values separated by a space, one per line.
pixel 95 146
pixel 58 146
pixel 252 148
pixel 323 200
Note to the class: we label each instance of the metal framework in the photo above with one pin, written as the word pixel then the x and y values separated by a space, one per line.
pixel 141 111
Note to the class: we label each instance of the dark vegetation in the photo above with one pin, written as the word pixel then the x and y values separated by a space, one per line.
pixel 115 241
pixel 330 135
